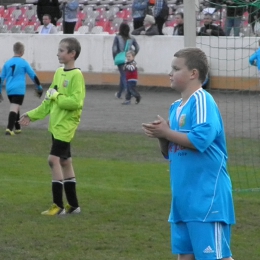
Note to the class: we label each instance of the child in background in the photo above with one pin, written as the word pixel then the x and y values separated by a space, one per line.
pixel 131 78
pixel 193 140
pixel 14 72
pixel 63 103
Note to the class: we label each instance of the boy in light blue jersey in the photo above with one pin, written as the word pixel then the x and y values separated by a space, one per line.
pixel 193 140
pixel 14 72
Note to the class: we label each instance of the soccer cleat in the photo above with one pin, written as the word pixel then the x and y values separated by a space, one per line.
pixel 9 132
pixel 72 210
pixel 138 99
pixel 126 102
pixel 17 131
pixel 54 210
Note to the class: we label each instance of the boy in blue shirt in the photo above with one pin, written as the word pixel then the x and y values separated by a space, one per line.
pixel 14 72
pixel 193 140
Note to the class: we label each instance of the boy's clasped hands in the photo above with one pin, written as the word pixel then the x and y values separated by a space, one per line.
pixel 156 129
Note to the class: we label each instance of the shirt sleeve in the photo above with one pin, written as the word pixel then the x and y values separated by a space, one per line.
pixel 206 122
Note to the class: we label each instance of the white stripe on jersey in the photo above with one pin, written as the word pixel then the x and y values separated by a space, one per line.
pixel 218 240
pixel 201 108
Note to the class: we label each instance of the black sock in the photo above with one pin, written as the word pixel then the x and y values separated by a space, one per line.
pixel 17 124
pixel 11 120
pixel 70 191
pixel 57 189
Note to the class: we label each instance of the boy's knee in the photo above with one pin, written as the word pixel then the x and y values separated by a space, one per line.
pixel 65 162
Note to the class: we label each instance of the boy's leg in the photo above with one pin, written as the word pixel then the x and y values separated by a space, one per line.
pixel 134 92
pixel 17 125
pixel 59 150
pixel 57 187
pixel 16 101
pixel 70 186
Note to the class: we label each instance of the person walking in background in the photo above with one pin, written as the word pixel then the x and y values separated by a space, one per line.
pixel 234 17
pixel 210 29
pixel 119 44
pixel 160 13
pixel 131 78
pixel 179 27
pixel 47 27
pixel 193 140
pixel 63 104
pixel 69 14
pixel 51 7
pixel 14 72
pixel 149 27
pixel 139 10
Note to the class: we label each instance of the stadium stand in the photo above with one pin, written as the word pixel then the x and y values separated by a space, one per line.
pixel 106 15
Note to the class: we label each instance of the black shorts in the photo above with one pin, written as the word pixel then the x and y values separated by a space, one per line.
pixel 16 99
pixel 60 149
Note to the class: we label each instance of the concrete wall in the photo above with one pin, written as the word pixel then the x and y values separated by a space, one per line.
pixel 228 57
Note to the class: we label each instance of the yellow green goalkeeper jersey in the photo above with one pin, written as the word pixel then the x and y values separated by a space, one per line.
pixel 66 109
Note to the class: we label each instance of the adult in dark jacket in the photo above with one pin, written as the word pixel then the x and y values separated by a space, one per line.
pixel 209 29
pixel 149 28
pixel 179 27
pixel 50 7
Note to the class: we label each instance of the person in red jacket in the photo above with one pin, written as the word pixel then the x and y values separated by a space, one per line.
pixel 131 78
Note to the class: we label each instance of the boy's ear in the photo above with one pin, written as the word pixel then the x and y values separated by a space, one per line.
pixel 194 74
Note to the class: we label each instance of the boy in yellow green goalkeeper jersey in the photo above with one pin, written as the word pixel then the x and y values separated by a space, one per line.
pixel 63 103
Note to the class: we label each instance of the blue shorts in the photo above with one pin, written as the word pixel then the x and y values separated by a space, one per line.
pixel 206 241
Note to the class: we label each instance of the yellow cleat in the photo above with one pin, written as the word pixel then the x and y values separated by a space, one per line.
pixel 72 210
pixel 9 132
pixel 54 210
pixel 17 131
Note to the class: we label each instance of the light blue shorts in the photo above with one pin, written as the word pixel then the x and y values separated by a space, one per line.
pixel 206 241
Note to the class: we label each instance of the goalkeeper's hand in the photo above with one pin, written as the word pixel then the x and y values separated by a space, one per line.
pixel 1 97
pixel 24 120
pixel 38 91
pixel 51 94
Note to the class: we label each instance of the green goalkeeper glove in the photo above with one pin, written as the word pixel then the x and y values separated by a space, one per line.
pixel 38 91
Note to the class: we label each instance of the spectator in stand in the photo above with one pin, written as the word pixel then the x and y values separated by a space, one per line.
pixel 234 17
pixel 179 27
pixel 210 29
pixel 160 13
pixel 69 13
pixel 149 28
pixel 139 10
pixel 47 27
pixel 50 7
pixel 253 17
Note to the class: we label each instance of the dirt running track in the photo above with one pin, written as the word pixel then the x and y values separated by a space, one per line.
pixel 103 112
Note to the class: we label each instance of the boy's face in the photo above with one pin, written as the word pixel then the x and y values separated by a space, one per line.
pixel 180 74
pixel 129 57
pixel 63 55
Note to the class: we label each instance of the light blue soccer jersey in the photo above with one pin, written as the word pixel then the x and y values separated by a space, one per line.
pixel 14 72
pixel 201 187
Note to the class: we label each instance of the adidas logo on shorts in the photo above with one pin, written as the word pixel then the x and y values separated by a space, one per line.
pixel 208 250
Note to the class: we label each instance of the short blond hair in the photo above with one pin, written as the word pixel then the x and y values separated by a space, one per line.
pixel 132 52
pixel 18 48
